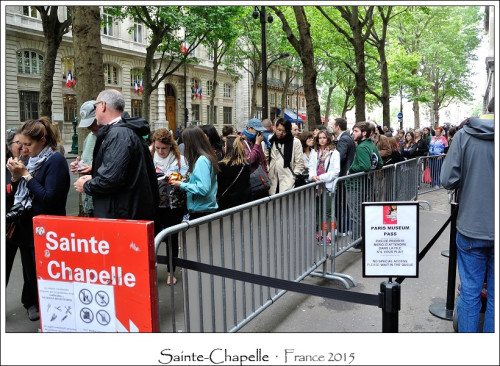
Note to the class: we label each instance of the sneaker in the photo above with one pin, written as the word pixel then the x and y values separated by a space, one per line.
pixel 354 250
pixel 33 313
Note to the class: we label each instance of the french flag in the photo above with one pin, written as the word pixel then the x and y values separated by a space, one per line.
pixel 69 80
pixel 199 93
pixel 135 87
pixel 141 87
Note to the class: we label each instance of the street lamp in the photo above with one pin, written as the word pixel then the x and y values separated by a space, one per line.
pixel 263 20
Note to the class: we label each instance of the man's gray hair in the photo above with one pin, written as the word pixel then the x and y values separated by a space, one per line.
pixel 113 98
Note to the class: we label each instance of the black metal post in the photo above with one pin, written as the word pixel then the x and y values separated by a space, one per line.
pixel 74 144
pixel 437 309
pixel 390 302
pixel 264 61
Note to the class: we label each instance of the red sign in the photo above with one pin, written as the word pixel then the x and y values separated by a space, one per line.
pixel 95 275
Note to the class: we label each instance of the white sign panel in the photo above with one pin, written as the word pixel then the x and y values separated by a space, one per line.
pixel 76 307
pixel 390 234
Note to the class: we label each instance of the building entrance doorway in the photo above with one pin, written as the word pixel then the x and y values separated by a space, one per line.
pixel 170 102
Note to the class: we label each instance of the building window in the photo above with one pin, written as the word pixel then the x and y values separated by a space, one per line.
pixel 272 73
pixel 282 76
pixel 69 104
pixel 210 87
pixel 136 108
pixel 29 62
pixel 228 115
pixel 273 99
pixel 211 55
pixel 138 33
pixel 30 11
pixel 195 112
pixel 227 90
pixel 107 21
pixel 302 102
pixel 288 101
pixel 67 65
pixel 196 91
pixel 208 114
pixel 28 105
pixel 135 76
pixel 110 74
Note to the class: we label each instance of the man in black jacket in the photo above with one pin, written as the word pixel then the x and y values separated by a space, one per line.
pixel 123 183
pixel 347 150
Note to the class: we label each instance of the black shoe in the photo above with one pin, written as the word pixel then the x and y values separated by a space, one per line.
pixel 33 313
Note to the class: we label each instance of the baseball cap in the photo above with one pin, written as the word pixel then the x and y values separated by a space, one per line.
pixel 256 124
pixel 87 114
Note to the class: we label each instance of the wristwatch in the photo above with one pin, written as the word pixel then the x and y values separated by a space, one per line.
pixel 27 177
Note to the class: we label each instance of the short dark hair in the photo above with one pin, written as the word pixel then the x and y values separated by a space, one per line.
pixel 227 130
pixel 364 127
pixel 341 123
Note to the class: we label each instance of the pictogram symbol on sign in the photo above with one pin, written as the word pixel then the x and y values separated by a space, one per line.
pixel 85 296
pixel 103 317
pixel 102 298
pixel 87 315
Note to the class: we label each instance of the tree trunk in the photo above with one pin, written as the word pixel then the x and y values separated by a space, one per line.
pixel 88 61
pixel 328 102
pixel 416 112
pixel 53 31
pixel 304 48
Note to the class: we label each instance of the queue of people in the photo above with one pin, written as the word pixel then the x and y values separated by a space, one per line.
pixel 185 176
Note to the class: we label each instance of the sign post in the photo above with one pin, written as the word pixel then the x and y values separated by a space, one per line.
pixel 390 241
pixel 95 275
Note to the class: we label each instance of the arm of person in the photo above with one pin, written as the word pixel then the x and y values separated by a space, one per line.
pixel 111 174
pixel 298 161
pixel 333 168
pixel 313 161
pixel 200 178
pixel 451 170
pixel 342 146
pixel 56 181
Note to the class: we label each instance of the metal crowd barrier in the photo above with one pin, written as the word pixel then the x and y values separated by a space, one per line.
pixel 429 181
pixel 279 237
pixel 272 237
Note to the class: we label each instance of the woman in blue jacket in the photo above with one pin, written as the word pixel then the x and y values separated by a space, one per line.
pixel 201 187
pixel 41 187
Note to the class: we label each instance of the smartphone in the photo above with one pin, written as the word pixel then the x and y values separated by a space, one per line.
pixel 20 157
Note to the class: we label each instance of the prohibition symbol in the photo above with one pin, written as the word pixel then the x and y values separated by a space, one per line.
pixel 103 317
pixel 85 296
pixel 102 298
pixel 87 315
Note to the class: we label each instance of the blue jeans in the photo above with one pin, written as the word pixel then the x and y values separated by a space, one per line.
pixel 475 259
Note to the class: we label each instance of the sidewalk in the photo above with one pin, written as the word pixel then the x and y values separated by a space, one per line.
pixel 301 313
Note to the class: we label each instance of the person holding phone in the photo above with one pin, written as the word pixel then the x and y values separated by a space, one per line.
pixel 253 144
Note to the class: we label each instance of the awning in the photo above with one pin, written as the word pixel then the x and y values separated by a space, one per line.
pixel 303 116
pixel 292 117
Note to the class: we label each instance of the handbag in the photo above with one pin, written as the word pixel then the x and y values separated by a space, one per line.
pixel 259 183
pixel 427 175
pixel 170 196
pixel 300 179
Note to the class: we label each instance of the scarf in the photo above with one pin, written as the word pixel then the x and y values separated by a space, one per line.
pixel 163 163
pixel 322 157
pixel 250 136
pixel 34 163
pixel 288 143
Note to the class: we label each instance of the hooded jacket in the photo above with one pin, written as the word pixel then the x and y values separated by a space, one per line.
pixel 124 183
pixel 469 166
